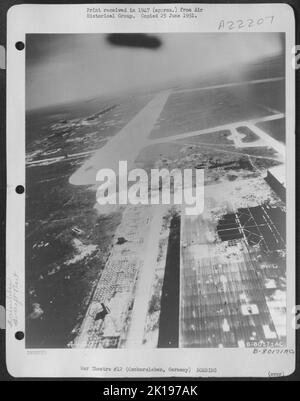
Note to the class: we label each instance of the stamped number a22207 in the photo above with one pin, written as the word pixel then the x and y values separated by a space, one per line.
pixel 244 23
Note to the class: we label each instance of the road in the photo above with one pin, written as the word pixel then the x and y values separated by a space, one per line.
pixel 267 139
pixel 145 280
pixel 231 85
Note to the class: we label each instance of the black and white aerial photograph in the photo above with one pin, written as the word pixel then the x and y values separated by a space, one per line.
pixel 147 274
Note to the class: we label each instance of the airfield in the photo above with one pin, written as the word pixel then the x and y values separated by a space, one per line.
pixel 170 280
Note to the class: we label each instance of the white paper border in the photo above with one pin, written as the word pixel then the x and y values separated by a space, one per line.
pixel 24 19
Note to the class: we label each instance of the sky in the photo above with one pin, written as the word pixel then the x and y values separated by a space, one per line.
pixel 62 68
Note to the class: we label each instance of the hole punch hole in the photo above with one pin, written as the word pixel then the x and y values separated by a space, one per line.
pixel 20 189
pixel 20 46
pixel 19 335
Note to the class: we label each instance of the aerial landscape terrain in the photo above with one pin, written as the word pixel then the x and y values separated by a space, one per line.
pixel 134 276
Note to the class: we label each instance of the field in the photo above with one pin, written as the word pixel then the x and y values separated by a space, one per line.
pixel 67 240
pixel 274 128
pixel 217 107
pixel 156 277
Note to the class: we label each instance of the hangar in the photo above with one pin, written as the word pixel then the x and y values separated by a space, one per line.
pixel 277 180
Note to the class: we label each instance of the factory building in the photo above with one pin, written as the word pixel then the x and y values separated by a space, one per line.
pixel 277 181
